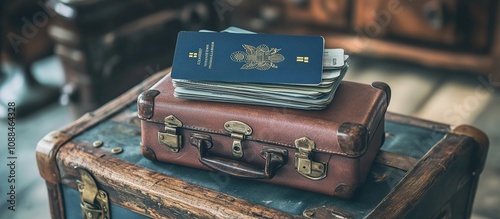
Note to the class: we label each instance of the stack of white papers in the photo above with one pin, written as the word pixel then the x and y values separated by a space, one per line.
pixel 297 96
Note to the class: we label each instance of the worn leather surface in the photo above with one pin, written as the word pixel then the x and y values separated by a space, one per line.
pixel 347 162
pixel 353 102
pixel 123 131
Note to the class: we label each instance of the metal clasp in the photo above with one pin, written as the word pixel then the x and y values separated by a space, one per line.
pixel 238 132
pixel 303 160
pixel 171 138
pixel 94 202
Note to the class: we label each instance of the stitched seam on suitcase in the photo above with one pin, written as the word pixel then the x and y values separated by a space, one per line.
pixel 259 140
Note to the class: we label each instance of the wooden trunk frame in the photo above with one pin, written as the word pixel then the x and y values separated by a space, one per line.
pixel 405 198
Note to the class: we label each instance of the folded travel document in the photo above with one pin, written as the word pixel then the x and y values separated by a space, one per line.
pixel 333 58
pixel 248 58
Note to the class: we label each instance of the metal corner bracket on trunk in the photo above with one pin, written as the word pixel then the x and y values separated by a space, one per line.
pixel 170 137
pixel 94 202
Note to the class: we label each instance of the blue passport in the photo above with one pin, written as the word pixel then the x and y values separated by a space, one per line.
pixel 255 58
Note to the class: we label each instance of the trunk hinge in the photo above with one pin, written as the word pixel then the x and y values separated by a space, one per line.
pixel 303 160
pixel 171 138
pixel 94 202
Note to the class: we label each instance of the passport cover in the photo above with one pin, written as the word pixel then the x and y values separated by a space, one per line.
pixel 256 58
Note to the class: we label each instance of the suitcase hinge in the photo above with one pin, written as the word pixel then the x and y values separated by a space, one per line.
pixel 238 132
pixel 171 138
pixel 94 202
pixel 303 162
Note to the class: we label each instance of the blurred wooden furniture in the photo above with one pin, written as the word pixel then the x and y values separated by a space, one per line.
pixel 449 34
pixel 23 27
pixel 107 46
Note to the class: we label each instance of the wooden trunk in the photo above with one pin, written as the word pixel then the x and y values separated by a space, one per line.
pixel 424 170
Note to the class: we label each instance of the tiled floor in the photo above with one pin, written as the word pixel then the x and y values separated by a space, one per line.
pixel 427 93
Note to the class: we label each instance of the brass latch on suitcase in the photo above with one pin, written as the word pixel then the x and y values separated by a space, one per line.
pixel 238 132
pixel 171 138
pixel 303 162
pixel 94 202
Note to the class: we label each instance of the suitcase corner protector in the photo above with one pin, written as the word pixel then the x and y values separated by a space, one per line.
pixel 353 138
pixel 145 103
pixel 384 87
pixel 346 191
pixel 148 153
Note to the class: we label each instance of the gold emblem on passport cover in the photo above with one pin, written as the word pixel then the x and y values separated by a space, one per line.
pixel 260 57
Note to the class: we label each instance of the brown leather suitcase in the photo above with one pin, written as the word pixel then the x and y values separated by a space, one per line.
pixel 328 151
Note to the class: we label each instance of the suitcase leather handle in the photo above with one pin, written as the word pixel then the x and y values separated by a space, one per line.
pixel 275 158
